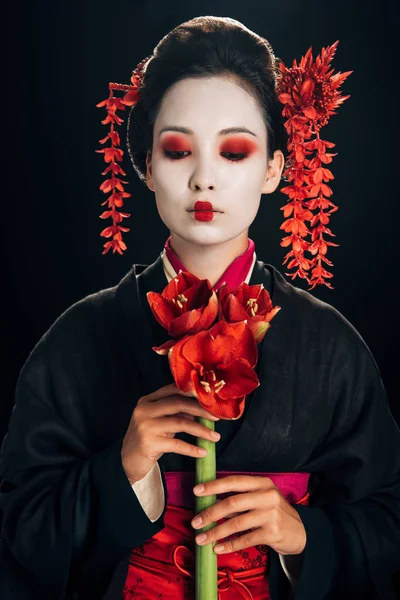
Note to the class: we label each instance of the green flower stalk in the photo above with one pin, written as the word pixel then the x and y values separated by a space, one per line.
pixel 206 575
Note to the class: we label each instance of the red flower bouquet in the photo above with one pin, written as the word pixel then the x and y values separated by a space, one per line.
pixel 212 353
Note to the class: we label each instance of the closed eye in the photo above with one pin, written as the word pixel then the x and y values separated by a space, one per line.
pixel 234 156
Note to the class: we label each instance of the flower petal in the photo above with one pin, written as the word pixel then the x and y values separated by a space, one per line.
pixel 160 308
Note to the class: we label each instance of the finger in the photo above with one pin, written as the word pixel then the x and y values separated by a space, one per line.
pixel 234 504
pixel 171 389
pixel 195 409
pixel 235 483
pixel 176 424
pixel 172 386
pixel 179 404
pixel 163 392
pixel 241 523
pixel 183 414
pixel 178 446
pixel 247 540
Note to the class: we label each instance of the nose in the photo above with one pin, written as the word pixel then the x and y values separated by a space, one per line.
pixel 202 177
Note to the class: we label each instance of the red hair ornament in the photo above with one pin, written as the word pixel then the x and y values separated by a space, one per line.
pixel 113 155
pixel 309 93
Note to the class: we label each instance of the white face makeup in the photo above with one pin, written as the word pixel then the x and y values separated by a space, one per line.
pixel 229 170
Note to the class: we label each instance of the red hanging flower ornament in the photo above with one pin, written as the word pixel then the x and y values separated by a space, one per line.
pixel 309 94
pixel 114 155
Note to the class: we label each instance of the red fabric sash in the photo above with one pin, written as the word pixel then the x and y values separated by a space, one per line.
pixel 163 566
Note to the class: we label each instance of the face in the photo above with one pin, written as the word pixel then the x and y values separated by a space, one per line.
pixel 203 162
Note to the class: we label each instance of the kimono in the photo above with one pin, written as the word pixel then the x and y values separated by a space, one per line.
pixel 73 526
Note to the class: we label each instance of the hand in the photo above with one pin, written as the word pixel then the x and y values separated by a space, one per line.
pixel 155 420
pixel 260 506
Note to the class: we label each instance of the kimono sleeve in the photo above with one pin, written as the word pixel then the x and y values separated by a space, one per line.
pixel 352 521
pixel 69 513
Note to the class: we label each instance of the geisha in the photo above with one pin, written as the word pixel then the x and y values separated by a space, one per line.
pixel 97 465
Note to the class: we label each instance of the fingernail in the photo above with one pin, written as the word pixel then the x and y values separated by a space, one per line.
pixel 215 435
pixel 198 489
pixel 197 521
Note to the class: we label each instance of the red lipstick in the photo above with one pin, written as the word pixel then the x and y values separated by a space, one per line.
pixel 203 211
pixel 202 205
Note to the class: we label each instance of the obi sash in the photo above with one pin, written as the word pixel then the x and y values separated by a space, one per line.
pixel 163 566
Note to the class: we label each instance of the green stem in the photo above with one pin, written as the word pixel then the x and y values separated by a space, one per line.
pixel 206 559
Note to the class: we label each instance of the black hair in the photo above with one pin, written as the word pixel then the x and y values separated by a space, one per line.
pixel 203 47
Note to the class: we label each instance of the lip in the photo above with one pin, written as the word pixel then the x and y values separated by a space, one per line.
pixel 203 206
pixel 204 215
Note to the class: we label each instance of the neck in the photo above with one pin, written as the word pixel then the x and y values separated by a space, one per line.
pixel 209 261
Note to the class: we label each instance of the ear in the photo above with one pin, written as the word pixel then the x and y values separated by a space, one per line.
pixel 149 176
pixel 274 172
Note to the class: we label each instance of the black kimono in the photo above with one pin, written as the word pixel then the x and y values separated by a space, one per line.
pixel 70 516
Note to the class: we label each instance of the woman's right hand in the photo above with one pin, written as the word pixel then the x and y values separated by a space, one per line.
pixel 155 420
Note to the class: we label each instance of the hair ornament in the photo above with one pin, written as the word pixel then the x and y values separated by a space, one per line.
pixel 309 94
pixel 113 154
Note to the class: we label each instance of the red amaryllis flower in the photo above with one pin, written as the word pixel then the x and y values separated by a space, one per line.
pixel 217 367
pixel 247 302
pixel 186 306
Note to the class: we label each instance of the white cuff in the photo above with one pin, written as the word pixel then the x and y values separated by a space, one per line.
pixel 150 493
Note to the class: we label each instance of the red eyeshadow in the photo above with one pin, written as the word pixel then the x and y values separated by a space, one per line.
pixel 235 145
pixel 239 146
pixel 174 143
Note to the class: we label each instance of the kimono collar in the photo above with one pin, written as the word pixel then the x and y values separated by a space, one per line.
pixel 238 271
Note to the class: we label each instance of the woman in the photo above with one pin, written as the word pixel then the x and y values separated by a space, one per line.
pixel 97 462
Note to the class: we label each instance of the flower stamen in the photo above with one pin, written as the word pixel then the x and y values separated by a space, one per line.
pixel 206 386
pixel 219 386
pixel 252 303
pixel 181 299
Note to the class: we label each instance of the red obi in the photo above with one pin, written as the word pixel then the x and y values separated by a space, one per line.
pixel 163 566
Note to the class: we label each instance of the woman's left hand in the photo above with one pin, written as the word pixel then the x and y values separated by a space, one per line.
pixel 261 506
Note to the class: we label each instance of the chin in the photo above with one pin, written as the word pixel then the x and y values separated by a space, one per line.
pixel 206 238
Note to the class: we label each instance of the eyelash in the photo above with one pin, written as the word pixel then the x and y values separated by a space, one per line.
pixel 171 153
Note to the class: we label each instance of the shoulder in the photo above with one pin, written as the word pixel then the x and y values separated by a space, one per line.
pixel 88 315
pixel 90 325
pixel 317 319
pixel 84 329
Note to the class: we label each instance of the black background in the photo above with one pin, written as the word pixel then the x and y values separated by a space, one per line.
pixel 61 57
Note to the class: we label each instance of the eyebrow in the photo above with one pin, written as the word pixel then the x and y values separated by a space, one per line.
pixel 222 132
